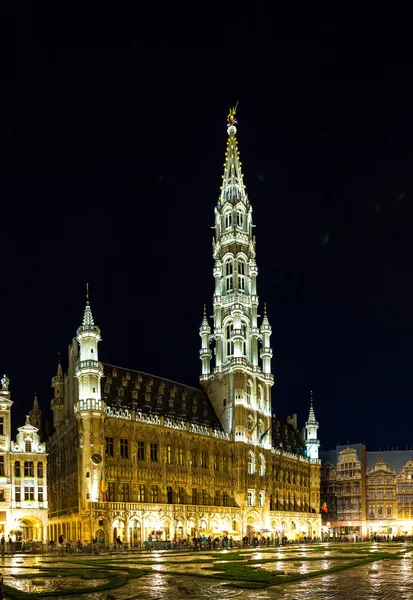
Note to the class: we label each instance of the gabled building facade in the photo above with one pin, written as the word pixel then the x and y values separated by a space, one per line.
pixel 23 476
pixel 134 454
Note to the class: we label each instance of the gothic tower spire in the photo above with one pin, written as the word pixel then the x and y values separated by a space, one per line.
pixel 312 443
pixel 238 386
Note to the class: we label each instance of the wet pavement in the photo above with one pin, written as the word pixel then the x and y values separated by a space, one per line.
pixel 385 579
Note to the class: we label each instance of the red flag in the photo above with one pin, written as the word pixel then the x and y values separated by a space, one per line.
pixel 324 507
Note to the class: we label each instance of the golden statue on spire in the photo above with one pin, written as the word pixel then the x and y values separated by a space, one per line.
pixel 231 120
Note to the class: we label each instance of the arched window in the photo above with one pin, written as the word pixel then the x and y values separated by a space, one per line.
pixel 262 465
pixel 240 219
pixel 249 392
pixel 229 276
pixel 244 338
pixel 228 219
pixel 230 343
pixel 241 275
pixel 251 463
pixel 260 400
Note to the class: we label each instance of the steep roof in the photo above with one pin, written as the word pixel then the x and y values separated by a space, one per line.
pixel 152 394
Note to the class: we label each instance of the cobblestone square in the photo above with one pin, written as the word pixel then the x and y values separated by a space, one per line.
pixel 329 571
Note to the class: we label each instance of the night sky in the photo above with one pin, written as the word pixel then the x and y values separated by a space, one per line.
pixel 112 146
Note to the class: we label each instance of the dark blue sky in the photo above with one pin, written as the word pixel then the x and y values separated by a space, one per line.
pixel 112 153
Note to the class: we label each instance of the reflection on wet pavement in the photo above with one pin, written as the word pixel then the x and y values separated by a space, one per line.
pixel 382 579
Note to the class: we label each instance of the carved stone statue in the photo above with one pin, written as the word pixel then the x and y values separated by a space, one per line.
pixel 5 382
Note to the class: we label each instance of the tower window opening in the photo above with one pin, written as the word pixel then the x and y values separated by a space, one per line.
pixel 244 338
pixel 249 392
pixel 229 276
pixel 241 275
pixel 230 343
pixel 240 219
pixel 91 350
pixel 93 390
pixel 228 220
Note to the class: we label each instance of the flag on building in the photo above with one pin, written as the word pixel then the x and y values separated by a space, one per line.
pixel 324 507
pixel 264 434
pixel 253 429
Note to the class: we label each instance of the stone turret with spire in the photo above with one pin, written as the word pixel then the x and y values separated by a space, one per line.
pixel 311 442
pixel 36 415
pixel 238 386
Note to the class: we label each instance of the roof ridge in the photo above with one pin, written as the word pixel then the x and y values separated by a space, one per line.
pixel 156 377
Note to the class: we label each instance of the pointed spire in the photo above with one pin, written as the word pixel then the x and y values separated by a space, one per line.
pixel 35 402
pixel 87 317
pixel 59 366
pixel 311 415
pixel 204 318
pixel 232 180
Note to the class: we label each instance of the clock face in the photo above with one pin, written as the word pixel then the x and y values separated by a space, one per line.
pixel 96 458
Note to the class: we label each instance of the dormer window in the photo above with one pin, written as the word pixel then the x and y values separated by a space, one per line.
pixel 27 446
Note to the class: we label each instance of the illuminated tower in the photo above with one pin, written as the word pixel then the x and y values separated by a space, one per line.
pixel 312 443
pixel 89 408
pixel 238 386
pixel 57 404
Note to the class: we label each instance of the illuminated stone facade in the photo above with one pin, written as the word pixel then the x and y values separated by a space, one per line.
pixel 134 454
pixel 367 493
pixel 23 475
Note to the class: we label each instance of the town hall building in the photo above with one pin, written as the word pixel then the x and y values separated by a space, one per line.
pixel 135 454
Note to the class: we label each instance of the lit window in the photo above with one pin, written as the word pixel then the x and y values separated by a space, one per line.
pixel 141 493
pixel 180 456
pixel 28 468
pixel 250 498
pixel 168 455
pixel 249 392
pixel 250 463
pixel 261 499
pixel 154 493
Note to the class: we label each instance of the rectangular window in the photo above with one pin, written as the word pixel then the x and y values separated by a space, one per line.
pixel 154 452
pixel 141 493
pixel 193 495
pixel 1 425
pixel 110 491
pixel 109 447
pixel 2 471
pixel 17 470
pixel 204 497
pixel 194 457
pixel 389 511
pixel 250 498
pixel 389 493
pixel 216 463
pixel 40 470
pixel 225 463
pixel 17 494
pixel 40 493
pixel 29 493
pixel 168 455
pixel 124 492
pixel 28 468
pixel 154 493
pixel 169 494
pixel 141 450
pixel 124 448
pixel 225 499
pixel 28 446
pixel 204 460
pixel 2 496
pixel 181 495
pixel 180 456
pixel 261 499
pixel 216 499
